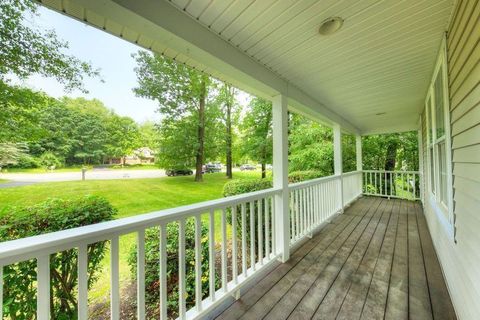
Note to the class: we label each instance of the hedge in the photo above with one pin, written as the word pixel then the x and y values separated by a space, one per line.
pixel 19 293
pixel 299 176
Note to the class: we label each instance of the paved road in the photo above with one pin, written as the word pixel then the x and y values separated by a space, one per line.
pixel 95 174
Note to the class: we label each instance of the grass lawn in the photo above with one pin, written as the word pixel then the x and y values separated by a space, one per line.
pixel 3 180
pixel 131 197
pixel 79 168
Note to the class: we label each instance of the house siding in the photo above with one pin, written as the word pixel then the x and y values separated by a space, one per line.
pixel 460 259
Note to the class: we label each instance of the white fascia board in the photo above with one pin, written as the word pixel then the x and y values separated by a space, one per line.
pixel 163 23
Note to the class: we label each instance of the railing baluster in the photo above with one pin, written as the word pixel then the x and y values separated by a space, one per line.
pixel 267 229
pixel 82 266
pixel 182 307
pixel 310 209
pixel 224 250
pixel 302 210
pixel 141 274
pixel 244 240
pixel 163 272
pixel 114 279
pixel 252 234
pixel 292 216
pixel 211 253
pixel 198 263
pixel 43 287
pixel 391 183
pixel 297 215
pixel 260 230
pixel 234 244
pixel 274 230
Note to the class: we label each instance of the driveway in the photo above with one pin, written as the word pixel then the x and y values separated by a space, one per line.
pixel 17 179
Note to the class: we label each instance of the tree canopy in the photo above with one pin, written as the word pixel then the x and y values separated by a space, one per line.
pixel 28 50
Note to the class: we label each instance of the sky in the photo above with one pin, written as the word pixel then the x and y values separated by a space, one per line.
pixel 111 54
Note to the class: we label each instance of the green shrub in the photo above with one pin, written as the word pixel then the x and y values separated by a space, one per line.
pixel 49 160
pixel 152 255
pixel 26 161
pixel 299 176
pixel 52 215
pixel 242 186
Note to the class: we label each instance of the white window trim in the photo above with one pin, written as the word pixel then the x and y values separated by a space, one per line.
pixel 443 212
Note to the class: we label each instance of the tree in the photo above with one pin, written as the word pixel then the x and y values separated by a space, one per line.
pixel 123 136
pixel 348 153
pixel 148 135
pixel 311 146
pixel 26 50
pixel 20 111
pixel 10 153
pixel 181 92
pixel 257 132
pixel 226 102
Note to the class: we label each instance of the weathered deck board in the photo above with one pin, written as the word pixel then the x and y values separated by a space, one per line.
pixel 441 303
pixel 418 293
pixel 375 261
pixel 364 277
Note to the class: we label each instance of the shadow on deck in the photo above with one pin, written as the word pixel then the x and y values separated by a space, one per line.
pixel 375 261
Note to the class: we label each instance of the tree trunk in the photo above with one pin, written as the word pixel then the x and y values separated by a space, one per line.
pixel 390 160
pixel 264 170
pixel 229 133
pixel 201 131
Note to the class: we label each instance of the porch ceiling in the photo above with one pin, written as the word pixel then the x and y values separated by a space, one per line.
pixel 381 60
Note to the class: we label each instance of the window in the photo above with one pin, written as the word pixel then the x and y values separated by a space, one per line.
pixel 438 140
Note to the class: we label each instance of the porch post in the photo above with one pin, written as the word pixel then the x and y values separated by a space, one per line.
pixel 280 175
pixel 359 152
pixel 420 164
pixel 337 159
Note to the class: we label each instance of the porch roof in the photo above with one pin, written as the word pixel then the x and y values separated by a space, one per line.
pixel 369 77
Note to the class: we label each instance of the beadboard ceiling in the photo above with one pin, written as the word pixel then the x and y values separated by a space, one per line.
pixel 374 72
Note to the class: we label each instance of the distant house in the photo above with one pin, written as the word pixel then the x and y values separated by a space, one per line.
pixel 143 155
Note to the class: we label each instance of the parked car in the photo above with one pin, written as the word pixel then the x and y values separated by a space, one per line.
pixel 212 167
pixel 178 172
pixel 244 167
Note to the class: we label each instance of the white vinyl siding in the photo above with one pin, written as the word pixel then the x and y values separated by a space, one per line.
pixel 460 259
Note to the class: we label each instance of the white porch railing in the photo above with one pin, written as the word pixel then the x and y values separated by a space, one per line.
pixel 315 201
pixel 254 256
pixel 392 184
pixel 251 241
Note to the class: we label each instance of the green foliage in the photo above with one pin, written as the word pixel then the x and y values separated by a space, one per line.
pixel 20 111
pixel 49 161
pixel 349 158
pixel 375 147
pixel 11 153
pixel 311 146
pixel 182 93
pixel 50 216
pixel 257 132
pixel 26 50
pixel 152 258
pixel 299 176
pixel 241 186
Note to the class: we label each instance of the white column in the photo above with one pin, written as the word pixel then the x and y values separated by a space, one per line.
pixel 359 152
pixel 337 159
pixel 280 175
pixel 420 163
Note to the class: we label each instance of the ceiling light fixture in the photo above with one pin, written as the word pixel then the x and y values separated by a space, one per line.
pixel 330 26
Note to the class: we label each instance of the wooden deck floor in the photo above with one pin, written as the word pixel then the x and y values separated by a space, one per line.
pixel 375 261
